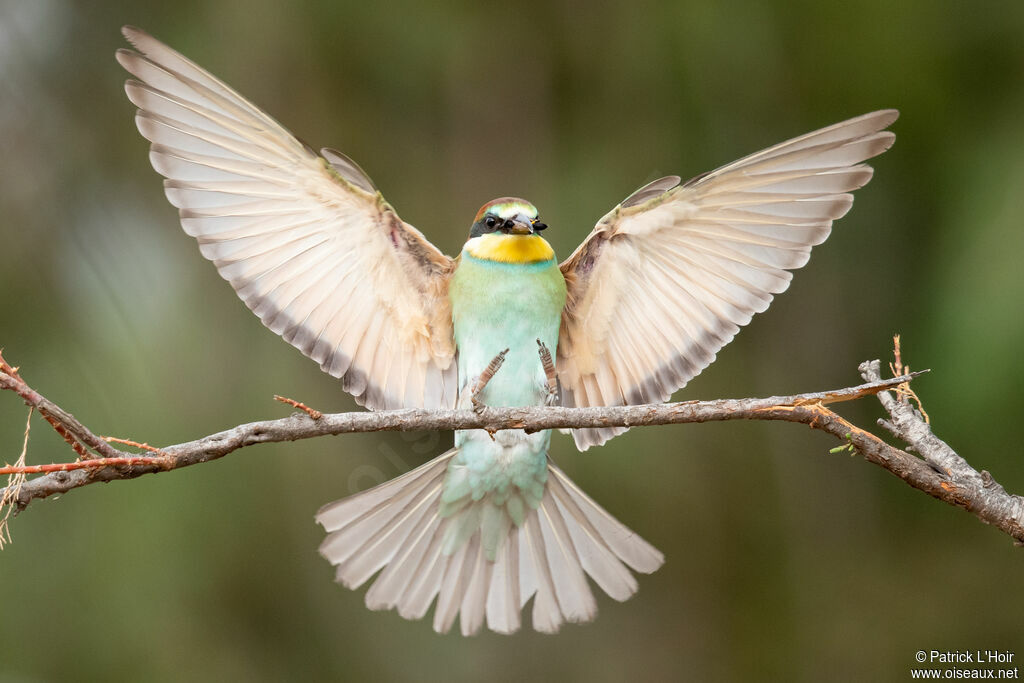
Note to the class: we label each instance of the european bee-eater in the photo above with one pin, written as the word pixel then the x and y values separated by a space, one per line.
pixel 663 282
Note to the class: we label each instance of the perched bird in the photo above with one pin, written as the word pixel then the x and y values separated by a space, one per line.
pixel 663 281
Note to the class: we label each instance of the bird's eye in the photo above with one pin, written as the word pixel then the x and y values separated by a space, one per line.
pixel 509 224
pixel 490 222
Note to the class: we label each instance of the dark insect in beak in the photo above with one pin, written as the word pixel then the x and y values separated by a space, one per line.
pixel 538 226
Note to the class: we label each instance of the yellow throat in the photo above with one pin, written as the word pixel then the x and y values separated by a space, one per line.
pixel 510 248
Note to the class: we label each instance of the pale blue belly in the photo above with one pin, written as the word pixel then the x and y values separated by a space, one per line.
pixel 497 307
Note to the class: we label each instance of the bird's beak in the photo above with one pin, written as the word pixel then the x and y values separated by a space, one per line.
pixel 521 225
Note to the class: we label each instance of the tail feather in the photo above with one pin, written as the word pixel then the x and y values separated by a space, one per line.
pixel 474 601
pixel 381 548
pixel 503 603
pixel 547 616
pixel 355 520
pixel 599 561
pixel 416 599
pixel 449 600
pixel 574 597
pixel 397 527
pixel 620 539
pixel 527 569
pixel 396 579
pixel 345 511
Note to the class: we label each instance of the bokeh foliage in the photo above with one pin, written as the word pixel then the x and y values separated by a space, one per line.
pixel 782 561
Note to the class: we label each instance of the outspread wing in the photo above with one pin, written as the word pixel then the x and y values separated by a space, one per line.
pixel 668 277
pixel 306 241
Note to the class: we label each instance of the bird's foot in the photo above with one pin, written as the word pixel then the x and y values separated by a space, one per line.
pixel 549 372
pixel 484 378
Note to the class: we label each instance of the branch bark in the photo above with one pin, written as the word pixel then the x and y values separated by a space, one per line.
pixel 940 472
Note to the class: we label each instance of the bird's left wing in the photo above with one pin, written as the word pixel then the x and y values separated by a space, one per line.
pixel 668 277
pixel 307 242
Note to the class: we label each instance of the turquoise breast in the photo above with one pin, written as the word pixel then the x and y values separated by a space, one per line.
pixel 497 306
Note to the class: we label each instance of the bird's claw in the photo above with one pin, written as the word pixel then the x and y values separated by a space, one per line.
pixel 484 378
pixel 549 372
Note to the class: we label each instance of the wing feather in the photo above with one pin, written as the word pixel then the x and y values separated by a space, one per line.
pixel 306 241
pixel 668 277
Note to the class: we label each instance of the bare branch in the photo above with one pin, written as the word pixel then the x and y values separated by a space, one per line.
pixel 954 480
pixel 300 426
pixel 941 473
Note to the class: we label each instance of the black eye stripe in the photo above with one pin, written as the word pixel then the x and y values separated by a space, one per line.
pixel 495 223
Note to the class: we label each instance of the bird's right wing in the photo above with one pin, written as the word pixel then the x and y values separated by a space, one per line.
pixel 307 241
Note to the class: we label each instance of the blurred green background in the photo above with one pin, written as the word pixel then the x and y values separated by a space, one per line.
pixel 783 561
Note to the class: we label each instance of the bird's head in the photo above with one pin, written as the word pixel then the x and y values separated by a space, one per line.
pixel 506 216
pixel 506 230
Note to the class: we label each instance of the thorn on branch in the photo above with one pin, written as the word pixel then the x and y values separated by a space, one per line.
pixel 165 458
pixel 10 371
pixel 312 412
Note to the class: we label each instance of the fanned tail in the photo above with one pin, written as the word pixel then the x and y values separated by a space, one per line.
pixel 396 527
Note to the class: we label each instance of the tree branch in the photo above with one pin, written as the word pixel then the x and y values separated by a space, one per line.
pixel 941 473
pixel 953 480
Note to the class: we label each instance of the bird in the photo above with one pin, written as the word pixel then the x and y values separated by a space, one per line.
pixel 662 282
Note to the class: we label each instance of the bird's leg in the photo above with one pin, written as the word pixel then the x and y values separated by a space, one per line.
pixel 549 372
pixel 485 377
